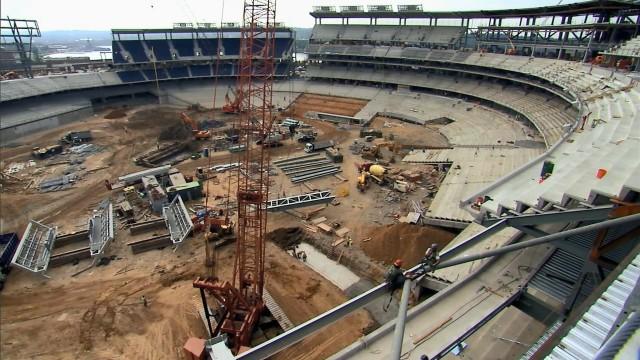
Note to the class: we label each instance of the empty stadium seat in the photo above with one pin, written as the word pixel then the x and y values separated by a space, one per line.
pixel 208 46
pixel 151 74
pixel 117 54
pixel 160 48
pixel 200 70
pixel 178 72
pixel 136 49
pixel 282 45
pixel 130 76
pixel 225 69
pixel 184 47
pixel 231 46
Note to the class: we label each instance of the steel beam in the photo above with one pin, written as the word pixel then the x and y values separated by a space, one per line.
pixel 595 213
pixel 297 201
pixel 301 331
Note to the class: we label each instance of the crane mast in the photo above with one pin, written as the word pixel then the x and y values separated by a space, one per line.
pixel 241 299
pixel 255 83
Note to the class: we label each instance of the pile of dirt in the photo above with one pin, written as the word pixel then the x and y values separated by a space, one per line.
pixel 116 114
pixel 175 132
pixel 286 238
pixel 211 124
pixel 155 117
pixel 404 241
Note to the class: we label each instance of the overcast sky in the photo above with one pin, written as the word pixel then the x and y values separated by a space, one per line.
pixel 136 14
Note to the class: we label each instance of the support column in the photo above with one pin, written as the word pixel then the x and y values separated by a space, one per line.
pixel 398 334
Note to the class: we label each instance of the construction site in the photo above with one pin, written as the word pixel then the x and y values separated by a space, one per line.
pixel 401 194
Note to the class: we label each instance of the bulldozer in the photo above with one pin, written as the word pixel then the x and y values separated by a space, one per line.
pixel 197 133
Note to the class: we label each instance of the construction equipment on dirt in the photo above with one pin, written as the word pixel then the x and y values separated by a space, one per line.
pixel 45 152
pixel 76 137
pixel 232 106
pixel 240 300
pixel 333 154
pixel 195 130
pixel 317 146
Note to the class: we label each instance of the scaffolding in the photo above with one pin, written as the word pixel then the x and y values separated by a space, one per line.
pixel 16 37
pixel 35 247
pixel 177 219
pixel 101 229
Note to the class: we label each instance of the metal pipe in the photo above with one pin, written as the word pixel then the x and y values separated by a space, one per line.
pixel 301 331
pixel 398 334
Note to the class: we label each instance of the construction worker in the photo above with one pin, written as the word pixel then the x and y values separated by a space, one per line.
pixel 431 256
pixel 395 279
pixel 395 276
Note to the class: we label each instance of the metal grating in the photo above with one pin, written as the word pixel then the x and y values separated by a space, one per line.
pixel 297 201
pixel 599 322
pixel 177 219
pixel 558 275
pixel 101 228
pixel 35 247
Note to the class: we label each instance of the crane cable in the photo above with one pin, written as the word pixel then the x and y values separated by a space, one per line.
pixel 211 261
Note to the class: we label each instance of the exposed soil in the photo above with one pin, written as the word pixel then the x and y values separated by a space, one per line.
pixel 287 237
pixel 411 134
pixel 99 314
pixel 328 104
pixel 404 241
pixel 116 114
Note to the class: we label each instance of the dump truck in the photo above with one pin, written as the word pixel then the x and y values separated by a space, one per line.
pixel 313 147
pixel 45 152
pixel 76 137
pixel 8 245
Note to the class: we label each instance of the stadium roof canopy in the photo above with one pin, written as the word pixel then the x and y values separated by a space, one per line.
pixel 386 11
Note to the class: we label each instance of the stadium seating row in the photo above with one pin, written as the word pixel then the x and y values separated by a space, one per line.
pixel 540 108
pixel 144 51
pixel 181 72
pixel 591 164
pixel 423 35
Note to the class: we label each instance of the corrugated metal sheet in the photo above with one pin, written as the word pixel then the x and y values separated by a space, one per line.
pixel 597 324
pixel 558 275
pixel 562 270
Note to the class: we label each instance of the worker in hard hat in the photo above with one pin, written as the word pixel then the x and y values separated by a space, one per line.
pixel 395 279
pixel 395 276
pixel 431 256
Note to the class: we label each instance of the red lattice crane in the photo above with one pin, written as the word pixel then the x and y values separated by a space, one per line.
pixel 241 299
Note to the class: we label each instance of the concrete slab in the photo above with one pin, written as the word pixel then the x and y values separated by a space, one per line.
pixel 337 274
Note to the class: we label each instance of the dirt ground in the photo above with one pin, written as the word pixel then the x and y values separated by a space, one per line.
pixel 404 241
pixel 99 313
pixel 410 134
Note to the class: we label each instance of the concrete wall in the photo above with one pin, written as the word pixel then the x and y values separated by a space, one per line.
pixel 9 135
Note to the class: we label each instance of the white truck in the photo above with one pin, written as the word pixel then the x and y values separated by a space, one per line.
pixel 317 146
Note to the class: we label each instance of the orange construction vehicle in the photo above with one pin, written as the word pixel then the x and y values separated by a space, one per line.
pixel 231 107
pixel 197 133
